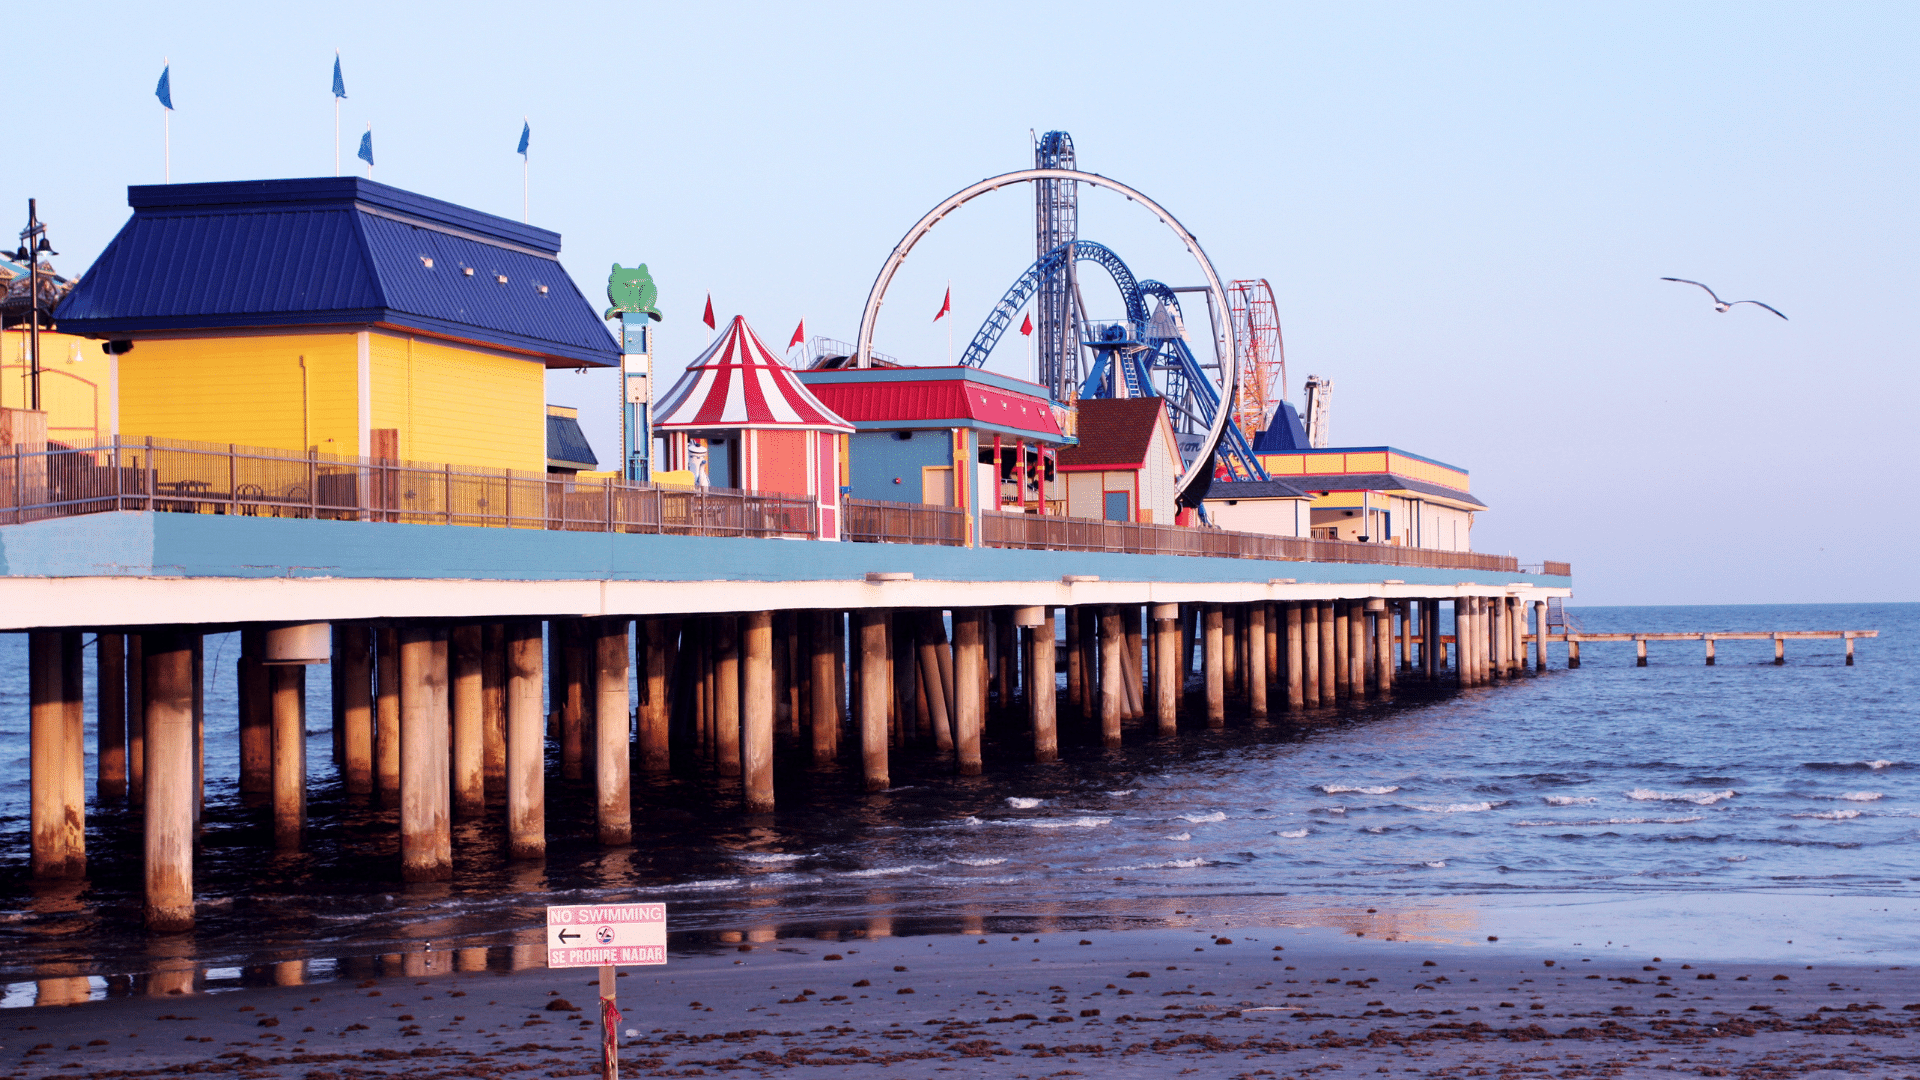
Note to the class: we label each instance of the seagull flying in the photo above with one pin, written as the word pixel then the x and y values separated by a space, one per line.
pixel 1719 304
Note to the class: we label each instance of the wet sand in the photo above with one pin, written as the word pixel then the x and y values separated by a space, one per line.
pixel 1233 1001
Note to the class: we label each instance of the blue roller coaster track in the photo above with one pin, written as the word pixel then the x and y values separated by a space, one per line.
pixel 1147 345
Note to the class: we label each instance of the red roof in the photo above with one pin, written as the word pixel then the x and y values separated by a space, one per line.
pixel 956 401
pixel 739 383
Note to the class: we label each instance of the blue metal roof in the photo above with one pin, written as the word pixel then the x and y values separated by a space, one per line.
pixel 567 444
pixel 335 251
pixel 1286 433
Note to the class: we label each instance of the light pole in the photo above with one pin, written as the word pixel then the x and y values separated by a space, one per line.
pixel 33 244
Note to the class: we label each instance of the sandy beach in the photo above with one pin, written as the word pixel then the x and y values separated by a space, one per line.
pixel 1213 1002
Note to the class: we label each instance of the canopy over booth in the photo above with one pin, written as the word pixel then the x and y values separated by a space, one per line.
pixel 763 430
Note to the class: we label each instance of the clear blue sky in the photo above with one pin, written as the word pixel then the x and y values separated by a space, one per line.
pixel 1463 208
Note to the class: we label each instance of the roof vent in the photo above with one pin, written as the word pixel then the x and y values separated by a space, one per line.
pixel 501 278
pixel 426 262
pixel 541 289
pixel 467 270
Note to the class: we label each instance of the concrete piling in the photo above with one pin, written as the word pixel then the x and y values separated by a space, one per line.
pixel 1113 674
pixel 1169 678
pixel 167 693
pixel 57 768
pixel 353 659
pixel 426 842
pixel 1042 689
pixel 1213 663
pixel 493 703
pixel 1296 659
pixel 969 658
pixel 464 692
pixel 526 743
pixel 1382 648
pixel 1329 655
pixel 936 675
pixel 386 710
pixel 656 714
pixel 256 714
pixel 612 701
pixel 110 696
pixel 826 700
pixel 1257 663
pixel 875 696
pixel 136 721
pixel 288 690
pixel 726 695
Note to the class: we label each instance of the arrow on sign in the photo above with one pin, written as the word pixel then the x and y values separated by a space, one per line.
pixel 567 936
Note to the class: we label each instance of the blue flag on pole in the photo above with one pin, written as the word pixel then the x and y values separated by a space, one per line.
pixel 366 148
pixel 526 132
pixel 339 84
pixel 164 91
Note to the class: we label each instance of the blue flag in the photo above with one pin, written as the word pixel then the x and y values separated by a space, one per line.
pixel 164 91
pixel 339 84
pixel 526 132
pixel 366 148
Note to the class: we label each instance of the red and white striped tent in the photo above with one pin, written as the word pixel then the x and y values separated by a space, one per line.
pixel 765 431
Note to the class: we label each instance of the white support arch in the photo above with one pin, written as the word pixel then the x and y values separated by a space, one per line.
pixel 1225 349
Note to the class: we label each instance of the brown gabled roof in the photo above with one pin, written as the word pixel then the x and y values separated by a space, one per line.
pixel 1114 433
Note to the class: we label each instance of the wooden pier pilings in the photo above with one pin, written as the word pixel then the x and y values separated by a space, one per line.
pixel 452 719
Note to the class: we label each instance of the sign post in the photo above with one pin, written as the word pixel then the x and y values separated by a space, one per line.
pixel 603 936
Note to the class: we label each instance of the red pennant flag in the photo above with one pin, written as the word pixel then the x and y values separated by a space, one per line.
pixel 709 317
pixel 946 305
pixel 799 334
pixel 1026 325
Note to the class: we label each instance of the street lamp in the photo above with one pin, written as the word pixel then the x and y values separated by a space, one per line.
pixel 33 244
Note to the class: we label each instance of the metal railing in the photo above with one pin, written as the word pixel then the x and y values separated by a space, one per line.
pixel 172 476
pixel 871 521
pixel 1086 534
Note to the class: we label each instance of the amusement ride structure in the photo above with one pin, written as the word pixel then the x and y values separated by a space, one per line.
pixel 1219 399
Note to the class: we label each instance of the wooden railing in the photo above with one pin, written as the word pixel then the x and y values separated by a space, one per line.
pixel 172 476
pixel 871 521
pixel 1085 534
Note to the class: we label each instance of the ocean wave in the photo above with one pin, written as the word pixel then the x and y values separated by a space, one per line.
pixel 1733 858
pixel 1438 864
pixel 1571 800
pixel 1698 798
pixel 1019 803
pixel 1182 836
pixel 1590 822
pixel 1335 789
pixel 1171 864
pixel 886 871
pixel 979 862
pixel 1199 819
pixel 1871 766
pixel 1455 808
pixel 1830 815
pixel 1858 796
pixel 768 857
pixel 1043 823
pixel 1118 794
pixel 1293 834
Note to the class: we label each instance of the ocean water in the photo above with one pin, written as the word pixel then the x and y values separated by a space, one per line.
pixel 1671 793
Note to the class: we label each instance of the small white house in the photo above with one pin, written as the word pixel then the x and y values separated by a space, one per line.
pixel 1270 507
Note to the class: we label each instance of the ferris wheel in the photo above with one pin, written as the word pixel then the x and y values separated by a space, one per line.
pixel 1146 354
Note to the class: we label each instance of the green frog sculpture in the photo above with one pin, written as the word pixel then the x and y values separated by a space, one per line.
pixel 631 289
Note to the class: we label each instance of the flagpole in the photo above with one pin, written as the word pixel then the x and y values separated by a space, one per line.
pixel 166 126
pixel 336 136
pixel 525 180
pixel 949 323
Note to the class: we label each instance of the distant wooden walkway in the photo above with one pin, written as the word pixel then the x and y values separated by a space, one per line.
pixel 1778 637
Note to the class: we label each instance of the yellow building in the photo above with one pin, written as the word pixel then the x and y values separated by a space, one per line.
pixel 334 315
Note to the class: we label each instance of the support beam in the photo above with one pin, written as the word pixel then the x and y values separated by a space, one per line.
pixel 426 840
pixel 1779 650
pixel 575 659
pixel 1257 675
pixel 1329 655
pixel 465 691
pixel 353 657
pixel 757 710
pixel 1640 651
pixel 386 714
pixel 1383 650
pixel 1169 674
pixel 1132 668
pixel 936 674
pixel 136 721
pixel 613 747
pixel 1356 667
pixel 1296 659
pixel 110 690
pixel 1710 657
pixel 969 658
pixel 826 700
pixel 167 692
pixel 256 714
pixel 526 744
pixel 1113 674
pixel 288 690
pixel 726 695
pixel 1310 647
pixel 1540 641
pixel 656 643
pixel 875 695
pixel 493 703
pixel 1430 644
pixel 1213 664
pixel 56 769
pixel 1043 693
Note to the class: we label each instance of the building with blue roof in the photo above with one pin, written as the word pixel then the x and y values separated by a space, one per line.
pixel 335 315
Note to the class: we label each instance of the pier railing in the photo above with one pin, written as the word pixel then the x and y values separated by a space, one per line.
pixel 172 476
pixel 175 476
pixel 1085 534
